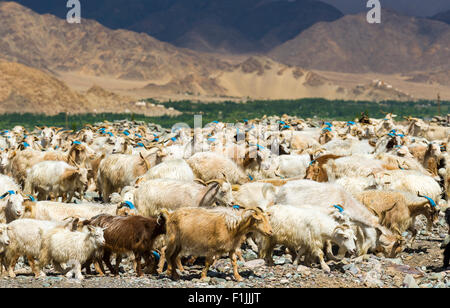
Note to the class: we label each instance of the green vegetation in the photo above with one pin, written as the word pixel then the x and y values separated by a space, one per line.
pixel 232 112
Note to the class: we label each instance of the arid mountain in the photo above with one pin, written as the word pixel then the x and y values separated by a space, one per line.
pixel 424 8
pixel 263 78
pixel 440 78
pixel 444 17
pixel 237 26
pixel 111 69
pixel 24 89
pixel 47 42
pixel 351 44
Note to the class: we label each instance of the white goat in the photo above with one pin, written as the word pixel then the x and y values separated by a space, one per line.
pixel 153 195
pixel 306 231
pixel 74 247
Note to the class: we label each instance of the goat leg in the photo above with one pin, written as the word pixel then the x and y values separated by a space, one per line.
pixel 137 261
pixel 99 267
pixel 162 260
pixel 107 260
pixel 235 266
pixel 209 260
pixel 117 265
pixel 34 267
pixel 329 252
pixel 318 253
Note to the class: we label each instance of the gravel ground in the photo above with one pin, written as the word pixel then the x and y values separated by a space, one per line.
pixel 419 266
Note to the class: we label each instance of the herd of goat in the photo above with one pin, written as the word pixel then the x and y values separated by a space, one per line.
pixel 320 190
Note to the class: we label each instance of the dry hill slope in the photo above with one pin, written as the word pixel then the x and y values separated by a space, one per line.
pixel 47 42
pixel 350 44
pixel 158 69
pixel 25 89
pixel 237 26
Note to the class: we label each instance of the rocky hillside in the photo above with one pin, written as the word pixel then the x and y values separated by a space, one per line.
pixel 204 25
pixel 350 44
pixel 444 17
pixel 24 89
pixel 47 42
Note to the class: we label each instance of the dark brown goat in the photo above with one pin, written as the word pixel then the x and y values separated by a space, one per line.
pixel 129 234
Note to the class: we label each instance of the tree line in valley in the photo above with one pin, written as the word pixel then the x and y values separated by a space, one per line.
pixel 232 112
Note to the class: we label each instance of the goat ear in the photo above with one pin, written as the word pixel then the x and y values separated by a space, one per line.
pixel 225 177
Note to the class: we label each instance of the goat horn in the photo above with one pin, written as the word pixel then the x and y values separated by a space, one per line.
pixel 200 182
pixel 219 181
pixel 147 164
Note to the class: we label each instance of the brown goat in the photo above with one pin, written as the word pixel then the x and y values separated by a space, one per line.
pixel 396 212
pixel 210 233
pixel 128 234
pixel 315 170
pixel 431 159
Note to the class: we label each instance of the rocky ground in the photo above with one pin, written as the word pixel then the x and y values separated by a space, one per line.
pixel 420 266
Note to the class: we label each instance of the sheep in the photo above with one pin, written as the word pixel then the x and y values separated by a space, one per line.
pixel 25 240
pixel 119 170
pixel 398 210
pixel 128 234
pixel 305 230
pixel 209 166
pixel 62 246
pixel 59 211
pixel 374 237
pixel 153 195
pixel 176 169
pixel 57 178
pixel 209 233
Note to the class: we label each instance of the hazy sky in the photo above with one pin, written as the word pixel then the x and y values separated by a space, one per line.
pixel 409 7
